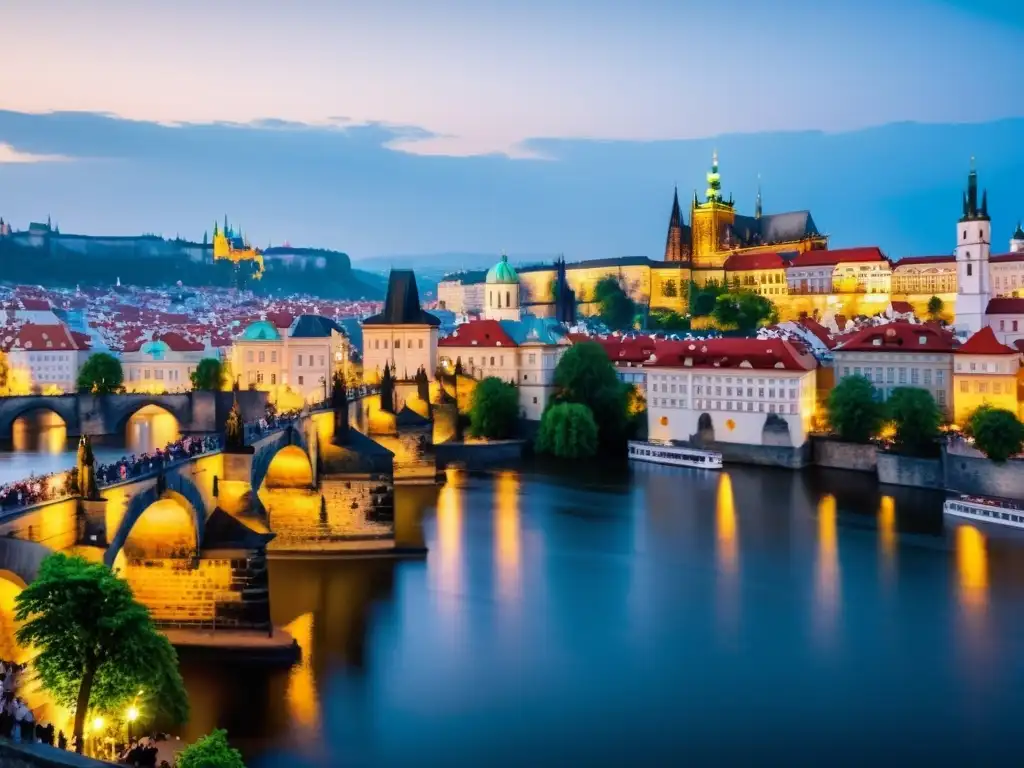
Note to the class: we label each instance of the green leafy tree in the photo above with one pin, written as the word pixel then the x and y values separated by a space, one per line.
pixel 667 320
pixel 744 310
pixel 568 430
pixel 935 307
pixel 854 410
pixel 916 418
pixel 212 751
pixel 97 646
pixel 101 374
pixel 703 298
pixel 615 308
pixel 997 432
pixel 208 375
pixel 586 376
pixel 494 409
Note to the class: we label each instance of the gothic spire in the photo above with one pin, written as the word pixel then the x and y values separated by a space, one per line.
pixel 676 218
pixel 757 204
pixel 972 211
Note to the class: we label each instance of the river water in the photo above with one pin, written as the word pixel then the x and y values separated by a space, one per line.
pixel 648 616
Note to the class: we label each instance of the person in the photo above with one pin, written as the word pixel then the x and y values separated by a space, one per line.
pixel 62 740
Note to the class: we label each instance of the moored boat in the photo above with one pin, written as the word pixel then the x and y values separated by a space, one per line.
pixel 986 509
pixel 674 455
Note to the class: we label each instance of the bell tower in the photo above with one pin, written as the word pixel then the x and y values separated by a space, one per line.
pixel 709 220
pixel 973 248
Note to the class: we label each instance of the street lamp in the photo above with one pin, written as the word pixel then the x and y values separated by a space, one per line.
pixel 131 715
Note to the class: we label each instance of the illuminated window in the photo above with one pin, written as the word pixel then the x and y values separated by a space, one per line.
pixel 263 356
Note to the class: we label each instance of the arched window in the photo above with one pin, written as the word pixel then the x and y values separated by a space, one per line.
pixel 969 270
pixel 965 234
pixel 508 299
pixel 499 299
pixel 490 298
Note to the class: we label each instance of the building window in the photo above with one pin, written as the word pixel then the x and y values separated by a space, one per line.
pixel 890 375
pixel 965 386
pixel 273 378
pixel 983 387
pixel 259 377
pixel 249 357
pixel 535 401
pixel 940 379
pixel 969 271
pixel 1014 325
pixel 940 397
pixel 398 343
pixel 914 373
pixel 300 381
pixel 419 345
pixel 927 377
pixel 299 361
pixel 263 356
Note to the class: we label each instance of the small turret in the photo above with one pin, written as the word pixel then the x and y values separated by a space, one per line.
pixel 1017 241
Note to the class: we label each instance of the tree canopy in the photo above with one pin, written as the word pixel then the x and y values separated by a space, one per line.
pixel 211 751
pixel 703 298
pixel 586 376
pixel 854 410
pixel 97 646
pixel 208 375
pixel 667 320
pixel 101 374
pixel 935 307
pixel 615 308
pixel 916 418
pixel 997 432
pixel 568 430
pixel 494 409
pixel 744 310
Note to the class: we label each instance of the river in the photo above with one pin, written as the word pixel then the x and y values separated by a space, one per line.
pixel 653 615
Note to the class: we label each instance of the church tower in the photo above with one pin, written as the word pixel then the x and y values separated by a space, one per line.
pixel 973 247
pixel 501 292
pixel 677 243
pixel 709 221
pixel 1016 242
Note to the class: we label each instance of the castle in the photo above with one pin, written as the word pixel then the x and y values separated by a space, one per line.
pixel 229 245
pixel 782 256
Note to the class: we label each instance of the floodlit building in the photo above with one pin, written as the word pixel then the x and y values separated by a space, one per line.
pixel 164 364
pixel 403 335
pixel 985 372
pixel 48 357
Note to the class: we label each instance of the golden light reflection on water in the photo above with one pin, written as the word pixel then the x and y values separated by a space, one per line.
pixel 149 428
pixel 827 576
pixel 507 535
pixel 725 524
pixel 972 567
pixel 40 431
pixel 887 531
pixel 448 573
pixel 301 694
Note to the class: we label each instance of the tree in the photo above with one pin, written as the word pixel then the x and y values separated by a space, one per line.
pixel 854 410
pixel 667 320
pixel 744 310
pixel 208 375
pixel 703 298
pixel 916 418
pixel 935 307
pixel 212 751
pixel 586 376
pixel 997 432
pixel 97 646
pixel 101 374
pixel 494 409
pixel 568 430
pixel 615 307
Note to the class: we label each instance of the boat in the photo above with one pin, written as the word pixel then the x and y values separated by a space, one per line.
pixel 674 455
pixel 985 509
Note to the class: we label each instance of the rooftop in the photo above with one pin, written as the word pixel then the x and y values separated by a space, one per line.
pixel 899 337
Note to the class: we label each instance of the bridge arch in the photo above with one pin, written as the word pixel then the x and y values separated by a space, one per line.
pixel 148 426
pixel 13 408
pixel 19 565
pixel 160 524
pixel 40 429
pixel 292 438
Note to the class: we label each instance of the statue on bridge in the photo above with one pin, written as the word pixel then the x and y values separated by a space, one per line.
pixel 234 430
pixel 387 390
pixel 423 387
pixel 87 486
pixel 339 403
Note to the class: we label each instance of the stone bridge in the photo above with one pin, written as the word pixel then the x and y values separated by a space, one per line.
pixel 105 417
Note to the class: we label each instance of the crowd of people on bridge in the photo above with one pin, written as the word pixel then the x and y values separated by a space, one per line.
pixel 17 722
pixel 136 465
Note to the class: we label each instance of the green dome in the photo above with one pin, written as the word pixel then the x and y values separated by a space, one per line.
pixel 502 272
pixel 261 330
pixel 1018 234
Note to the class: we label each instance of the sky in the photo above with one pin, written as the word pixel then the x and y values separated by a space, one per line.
pixel 406 101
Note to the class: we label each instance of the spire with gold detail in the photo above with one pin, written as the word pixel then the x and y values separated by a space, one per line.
pixel 714 190
pixel 757 203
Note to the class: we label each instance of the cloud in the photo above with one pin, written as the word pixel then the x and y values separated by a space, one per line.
pixel 9 154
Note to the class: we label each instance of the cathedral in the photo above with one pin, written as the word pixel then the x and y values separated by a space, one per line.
pixel 716 232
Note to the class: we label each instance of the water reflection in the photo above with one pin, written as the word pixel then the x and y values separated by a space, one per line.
pixel 149 428
pixel 40 431
pixel 301 696
pixel 447 553
pixel 972 567
pixel 727 549
pixel 507 535
pixel 827 575
pixel 887 534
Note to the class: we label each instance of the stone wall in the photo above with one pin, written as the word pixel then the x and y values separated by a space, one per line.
pixel 353 509
pixel 979 475
pixel 761 455
pixel 224 590
pixel 42 756
pixel 836 454
pixel 894 469
pixel 474 456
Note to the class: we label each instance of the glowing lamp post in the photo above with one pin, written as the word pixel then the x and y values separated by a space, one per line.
pixel 131 716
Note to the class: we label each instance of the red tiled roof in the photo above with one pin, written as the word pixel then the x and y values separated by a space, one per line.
pixel 1007 257
pixel 479 333
pixel 280 319
pixel 824 258
pixel 818 330
pixel 1005 306
pixel 179 343
pixel 621 349
pixel 34 338
pixel 36 305
pixel 82 340
pixel 984 342
pixel 899 337
pixel 740 262
pixel 902 307
pixel 910 261
pixel 733 353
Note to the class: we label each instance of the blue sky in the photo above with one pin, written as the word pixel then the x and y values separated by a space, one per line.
pixel 402 126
